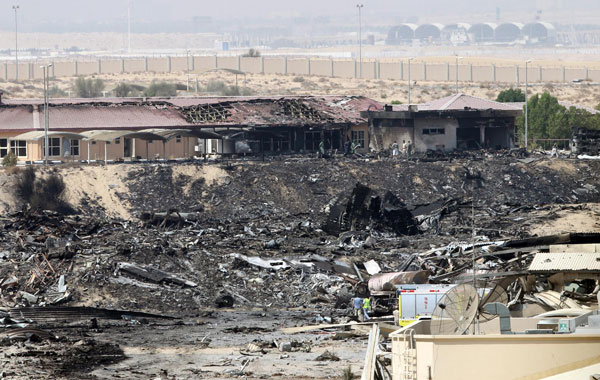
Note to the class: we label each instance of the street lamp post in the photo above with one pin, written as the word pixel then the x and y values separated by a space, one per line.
pixel 457 59
pixel 526 105
pixel 410 59
pixel 16 7
pixel 46 116
pixel 360 7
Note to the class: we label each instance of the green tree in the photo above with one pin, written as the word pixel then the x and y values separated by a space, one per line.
pixel 598 107
pixel 160 89
pixel 89 88
pixel 546 118
pixel 577 117
pixel 511 96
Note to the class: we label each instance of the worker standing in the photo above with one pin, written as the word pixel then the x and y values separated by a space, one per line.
pixel 366 304
pixel 347 147
pixel 357 303
pixel 395 150
pixel 322 148
pixel 408 149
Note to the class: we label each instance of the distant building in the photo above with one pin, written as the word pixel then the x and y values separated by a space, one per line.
pixel 455 122
pixel 169 128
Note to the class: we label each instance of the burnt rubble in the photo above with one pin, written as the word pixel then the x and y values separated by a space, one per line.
pixel 303 234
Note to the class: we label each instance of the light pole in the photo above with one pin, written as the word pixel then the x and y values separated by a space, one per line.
pixel 46 116
pixel 457 59
pixel 187 61
pixel 16 7
pixel 526 105
pixel 410 59
pixel 360 7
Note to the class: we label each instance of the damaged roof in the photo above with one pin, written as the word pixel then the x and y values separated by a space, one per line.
pixel 565 262
pixel 461 102
pixel 143 113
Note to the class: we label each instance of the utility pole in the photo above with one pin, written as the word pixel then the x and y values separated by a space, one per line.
pixel 46 115
pixel 410 59
pixel 16 7
pixel 360 7
pixel 526 105
pixel 457 59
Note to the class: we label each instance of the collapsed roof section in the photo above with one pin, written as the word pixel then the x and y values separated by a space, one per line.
pixel 191 112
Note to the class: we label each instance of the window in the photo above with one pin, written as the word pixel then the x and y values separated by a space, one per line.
pixel 178 139
pixel 3 147
pixel 150 141
pixel 434 131
pixel 19 148
pixel 118 140
pixel 107 142
pixel 358 137
pixel 75 147
pixel 54 147
pixel 93 142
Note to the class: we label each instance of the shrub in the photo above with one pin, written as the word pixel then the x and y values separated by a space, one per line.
pixel 9 160
pixel 89 88
pixel 56 92
pixel 298 79
pixel 160 89
pixel 396 102
pixel 123 90
pixel 44 193
pixel 511 96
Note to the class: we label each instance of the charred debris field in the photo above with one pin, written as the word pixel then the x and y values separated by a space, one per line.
pixel 213 259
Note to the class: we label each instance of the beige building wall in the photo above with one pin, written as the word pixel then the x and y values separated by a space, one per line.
pixel 344 68
pixel 297 66
pixel 446 142
pixel 251 64
pixel 320 67
pixel 274 65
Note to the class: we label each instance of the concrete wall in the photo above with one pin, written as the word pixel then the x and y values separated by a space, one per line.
pixel 424 142
pixel 274 65
pixel 297 66
pixel 251 65
pixel 320 67
pixel 504 357
pixel 344 68
pixel 158 65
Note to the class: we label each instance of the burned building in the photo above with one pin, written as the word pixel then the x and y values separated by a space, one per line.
pixel 455 122
pixel 142 128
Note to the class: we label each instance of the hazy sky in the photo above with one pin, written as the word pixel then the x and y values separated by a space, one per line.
pixel 38 12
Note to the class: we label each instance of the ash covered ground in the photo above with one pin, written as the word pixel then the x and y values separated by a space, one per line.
pixel 125 248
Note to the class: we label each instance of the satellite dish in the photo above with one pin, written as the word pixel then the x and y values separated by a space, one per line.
pixel 455 312
pixel 497 294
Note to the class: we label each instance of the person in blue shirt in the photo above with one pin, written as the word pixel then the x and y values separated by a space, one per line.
pixel 357 303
